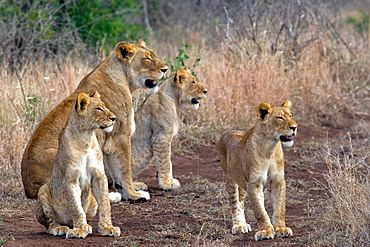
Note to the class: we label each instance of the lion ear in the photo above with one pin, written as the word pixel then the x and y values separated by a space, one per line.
pixel 181 76
pixel 83 100
pixel 287 104
pixel 263 111
pixel 141 42
pixel 95 95
pixel 125 52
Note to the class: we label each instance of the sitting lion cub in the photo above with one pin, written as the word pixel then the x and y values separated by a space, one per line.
pixel 254 160
pixel 78 185
pixel 158 120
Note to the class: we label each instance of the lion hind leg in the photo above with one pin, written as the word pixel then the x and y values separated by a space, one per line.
pixel 237 196
pixel 45 212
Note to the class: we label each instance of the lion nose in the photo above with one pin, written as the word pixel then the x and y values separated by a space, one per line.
pixel 205 91
pixel 293 128
pixel 113 118
pixel 164 70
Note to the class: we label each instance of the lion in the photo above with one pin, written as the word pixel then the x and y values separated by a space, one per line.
pixel 78 185
pixel 158 120
pixel 254 160
pixel 127 68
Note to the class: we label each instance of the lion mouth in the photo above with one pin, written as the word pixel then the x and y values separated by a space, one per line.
pixel 194 101
pixel 150 83
pixel 286 138
pixel 107 128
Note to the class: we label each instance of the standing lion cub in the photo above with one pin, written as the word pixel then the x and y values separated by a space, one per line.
pixel 78 186
pixel 254 160
pixel 158 120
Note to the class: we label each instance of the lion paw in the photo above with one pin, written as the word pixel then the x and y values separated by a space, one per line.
pixel 241 229
pixel 170 184
pixel 110 231
pixel 76 233
pixel 115 196
pixel 58 230
pixel 283 232
pixel 264 234
pixel 140 186
pixel 139 196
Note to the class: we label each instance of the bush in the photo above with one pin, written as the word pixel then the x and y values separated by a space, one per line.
pixel 35 30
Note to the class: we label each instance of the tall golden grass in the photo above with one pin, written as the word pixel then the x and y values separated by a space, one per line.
pixel 346 214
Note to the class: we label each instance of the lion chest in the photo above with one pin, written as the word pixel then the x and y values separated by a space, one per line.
pixel 85 162
pixel 253 169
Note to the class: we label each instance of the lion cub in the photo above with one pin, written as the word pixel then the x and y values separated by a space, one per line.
pixel 78 186
pixel 158 120
pixel 254 160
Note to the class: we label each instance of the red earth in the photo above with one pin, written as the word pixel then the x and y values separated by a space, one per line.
pixel 197 214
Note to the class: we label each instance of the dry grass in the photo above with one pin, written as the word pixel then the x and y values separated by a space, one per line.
pixel 28 96
pixel 346 214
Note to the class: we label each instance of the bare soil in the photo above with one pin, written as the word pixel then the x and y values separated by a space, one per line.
pixel 197 214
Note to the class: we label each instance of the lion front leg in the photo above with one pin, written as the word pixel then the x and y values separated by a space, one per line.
pixel 278 192
pixel 265 228
pixel 80 227
pixel 162 159
pixel 141 157
pixel 117 162
pixel 100 191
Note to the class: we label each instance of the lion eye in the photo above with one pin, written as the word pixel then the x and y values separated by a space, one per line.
pixel 194 82
pixel 148 59
pixel 99 109
pixel 282 118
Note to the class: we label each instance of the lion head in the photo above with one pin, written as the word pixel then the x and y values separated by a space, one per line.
pixel 94 112
pixel 143 67
pixel 278 122
pixel 191 89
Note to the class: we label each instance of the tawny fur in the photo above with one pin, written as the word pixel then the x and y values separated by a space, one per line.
pixel 254 160
pixel 78 186
pixel 158 120
pixel 129 67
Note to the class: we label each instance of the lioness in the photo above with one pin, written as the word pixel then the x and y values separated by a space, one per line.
pixel 254 160
pixel 78 185
pixel 129 67
pixel 158 120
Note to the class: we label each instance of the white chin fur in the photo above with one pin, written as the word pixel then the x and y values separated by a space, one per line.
pixel 196 106
pixel 288 144
pixel 153 90
pixel 109 129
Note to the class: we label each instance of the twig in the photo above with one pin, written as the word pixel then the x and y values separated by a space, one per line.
pixel 274 46
pixel 16 110
pixel 229 20
pixel 340 38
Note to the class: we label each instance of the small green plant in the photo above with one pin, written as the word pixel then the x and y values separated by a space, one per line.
pixel 174 65
pixel 10 238
pixel 360 23
pixel 180 61
pixel 31 107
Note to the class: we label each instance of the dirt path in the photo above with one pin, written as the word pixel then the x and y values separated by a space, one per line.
pixel 197 213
